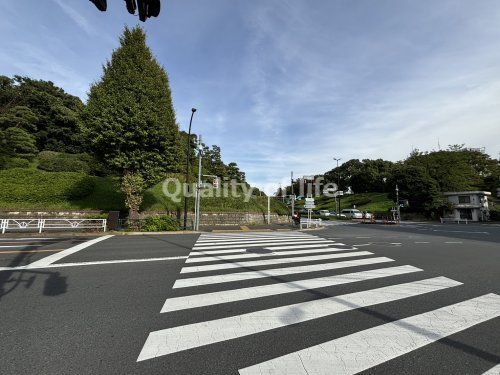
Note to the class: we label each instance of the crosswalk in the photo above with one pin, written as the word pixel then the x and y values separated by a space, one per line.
pixel 243 267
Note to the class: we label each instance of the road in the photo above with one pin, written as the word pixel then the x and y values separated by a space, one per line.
pixel 367 299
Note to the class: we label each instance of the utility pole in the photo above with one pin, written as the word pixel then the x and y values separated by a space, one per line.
pixel 268 209
pixel 338 183
pixel 398 218
pixel 292 196
pixel 188 147
pixel 198 188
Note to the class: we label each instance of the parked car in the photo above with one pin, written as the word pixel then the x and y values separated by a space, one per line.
pixel 352 213
pixel 324 212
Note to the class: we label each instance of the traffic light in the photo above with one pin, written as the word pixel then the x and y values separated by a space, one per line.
pixel 145 8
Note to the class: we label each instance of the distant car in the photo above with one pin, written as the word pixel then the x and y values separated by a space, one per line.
pixel 367 215
pixel 324 212
pixel 335 214
pixel 352 213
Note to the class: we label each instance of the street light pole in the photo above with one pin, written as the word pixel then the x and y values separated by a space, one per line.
pixel 397 204
pixel 338 183
pixel 193 110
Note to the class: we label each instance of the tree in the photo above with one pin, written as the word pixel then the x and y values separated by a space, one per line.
pixel 129 119
pixel 42 109
pixel 16 142
pixel 416 186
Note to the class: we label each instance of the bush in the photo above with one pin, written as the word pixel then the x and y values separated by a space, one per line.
pixel 9 163
pixel 30 185
pixel 52 161
pixel 160 224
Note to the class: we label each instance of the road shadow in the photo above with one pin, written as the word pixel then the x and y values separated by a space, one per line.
pixel 10 280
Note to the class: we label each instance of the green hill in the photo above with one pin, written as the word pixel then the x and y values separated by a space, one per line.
pixel 23 188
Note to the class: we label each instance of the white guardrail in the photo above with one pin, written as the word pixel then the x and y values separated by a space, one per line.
pixel 43 224
pixel 311 223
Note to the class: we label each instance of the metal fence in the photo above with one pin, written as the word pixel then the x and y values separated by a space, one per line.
pixel 48 224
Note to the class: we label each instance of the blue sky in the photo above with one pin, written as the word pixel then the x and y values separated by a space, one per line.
pixel 288 85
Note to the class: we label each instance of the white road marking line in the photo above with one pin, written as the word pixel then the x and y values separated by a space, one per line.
pixel 396 243
pixel 225 296
pixel 283 235
pixel 194 335
pixel 363 237
pixel 289 247
pixel 216 243
pixel 422 242
pixel 28 239
pixel 255 244
pixel 493 371
pixel 244 254
pixel 255 238
pixel 362 244
pixel 453 242
pixel 62 254
pixel 10 246
pixel 58 265
pixel 371 347
pixel 268 262
pixel 249 275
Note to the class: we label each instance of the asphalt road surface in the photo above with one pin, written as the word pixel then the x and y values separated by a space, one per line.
pixel 367 299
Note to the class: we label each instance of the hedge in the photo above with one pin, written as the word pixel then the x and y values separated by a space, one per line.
pixel 31 185
pixel 61 162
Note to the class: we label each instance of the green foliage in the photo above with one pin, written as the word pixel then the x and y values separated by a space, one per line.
pixel 9 163
pixel 129 118
pixel 42 109
pixel 133 187
pixel 373 202
pixel 16 142
pixel 30 185
pixel 417 186
pixel 61 162
pixel 160 224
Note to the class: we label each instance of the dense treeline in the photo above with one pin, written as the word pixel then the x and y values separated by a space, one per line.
pixel 127 128
pixel 422 177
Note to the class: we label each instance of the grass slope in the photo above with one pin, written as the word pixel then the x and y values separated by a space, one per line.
pixel 40 190
pixel 374 202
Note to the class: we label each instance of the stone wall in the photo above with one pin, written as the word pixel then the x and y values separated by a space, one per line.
pixel 207 218
pixel 47 214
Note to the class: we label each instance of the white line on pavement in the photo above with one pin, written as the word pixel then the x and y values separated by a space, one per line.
pixel 256 243
pixel 365 349
pixel 268 262
pixel 243 253
pixel 261 239
pixel 215 298
pixel 29 267
pixel 422 242
pixel 493 371
pixel 453 242
pixel 62 254
pixel 189 336
pixel 10 246
pixel 249 275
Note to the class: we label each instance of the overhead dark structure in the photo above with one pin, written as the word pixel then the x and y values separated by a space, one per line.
pixel 145 8
pixel 100 4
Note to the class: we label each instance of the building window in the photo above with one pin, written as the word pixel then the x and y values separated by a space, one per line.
pixel 465 213
pixel 463 199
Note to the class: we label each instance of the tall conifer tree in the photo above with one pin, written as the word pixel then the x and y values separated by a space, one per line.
pixel 129 119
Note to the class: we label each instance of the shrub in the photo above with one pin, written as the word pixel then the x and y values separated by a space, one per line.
pixel 31 185
pixel 61 162
pixel 9 163
pixel 495 215
pixel 160 224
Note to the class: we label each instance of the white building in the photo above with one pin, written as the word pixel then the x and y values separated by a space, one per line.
pixel 470 205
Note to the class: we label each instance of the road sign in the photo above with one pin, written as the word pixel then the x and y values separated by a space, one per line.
pixel 309 206
pixel 310 200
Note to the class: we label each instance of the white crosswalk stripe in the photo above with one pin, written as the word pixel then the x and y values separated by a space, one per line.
pixel 266 262
pixel 237 257
pixel 362 350
pixel 245 254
